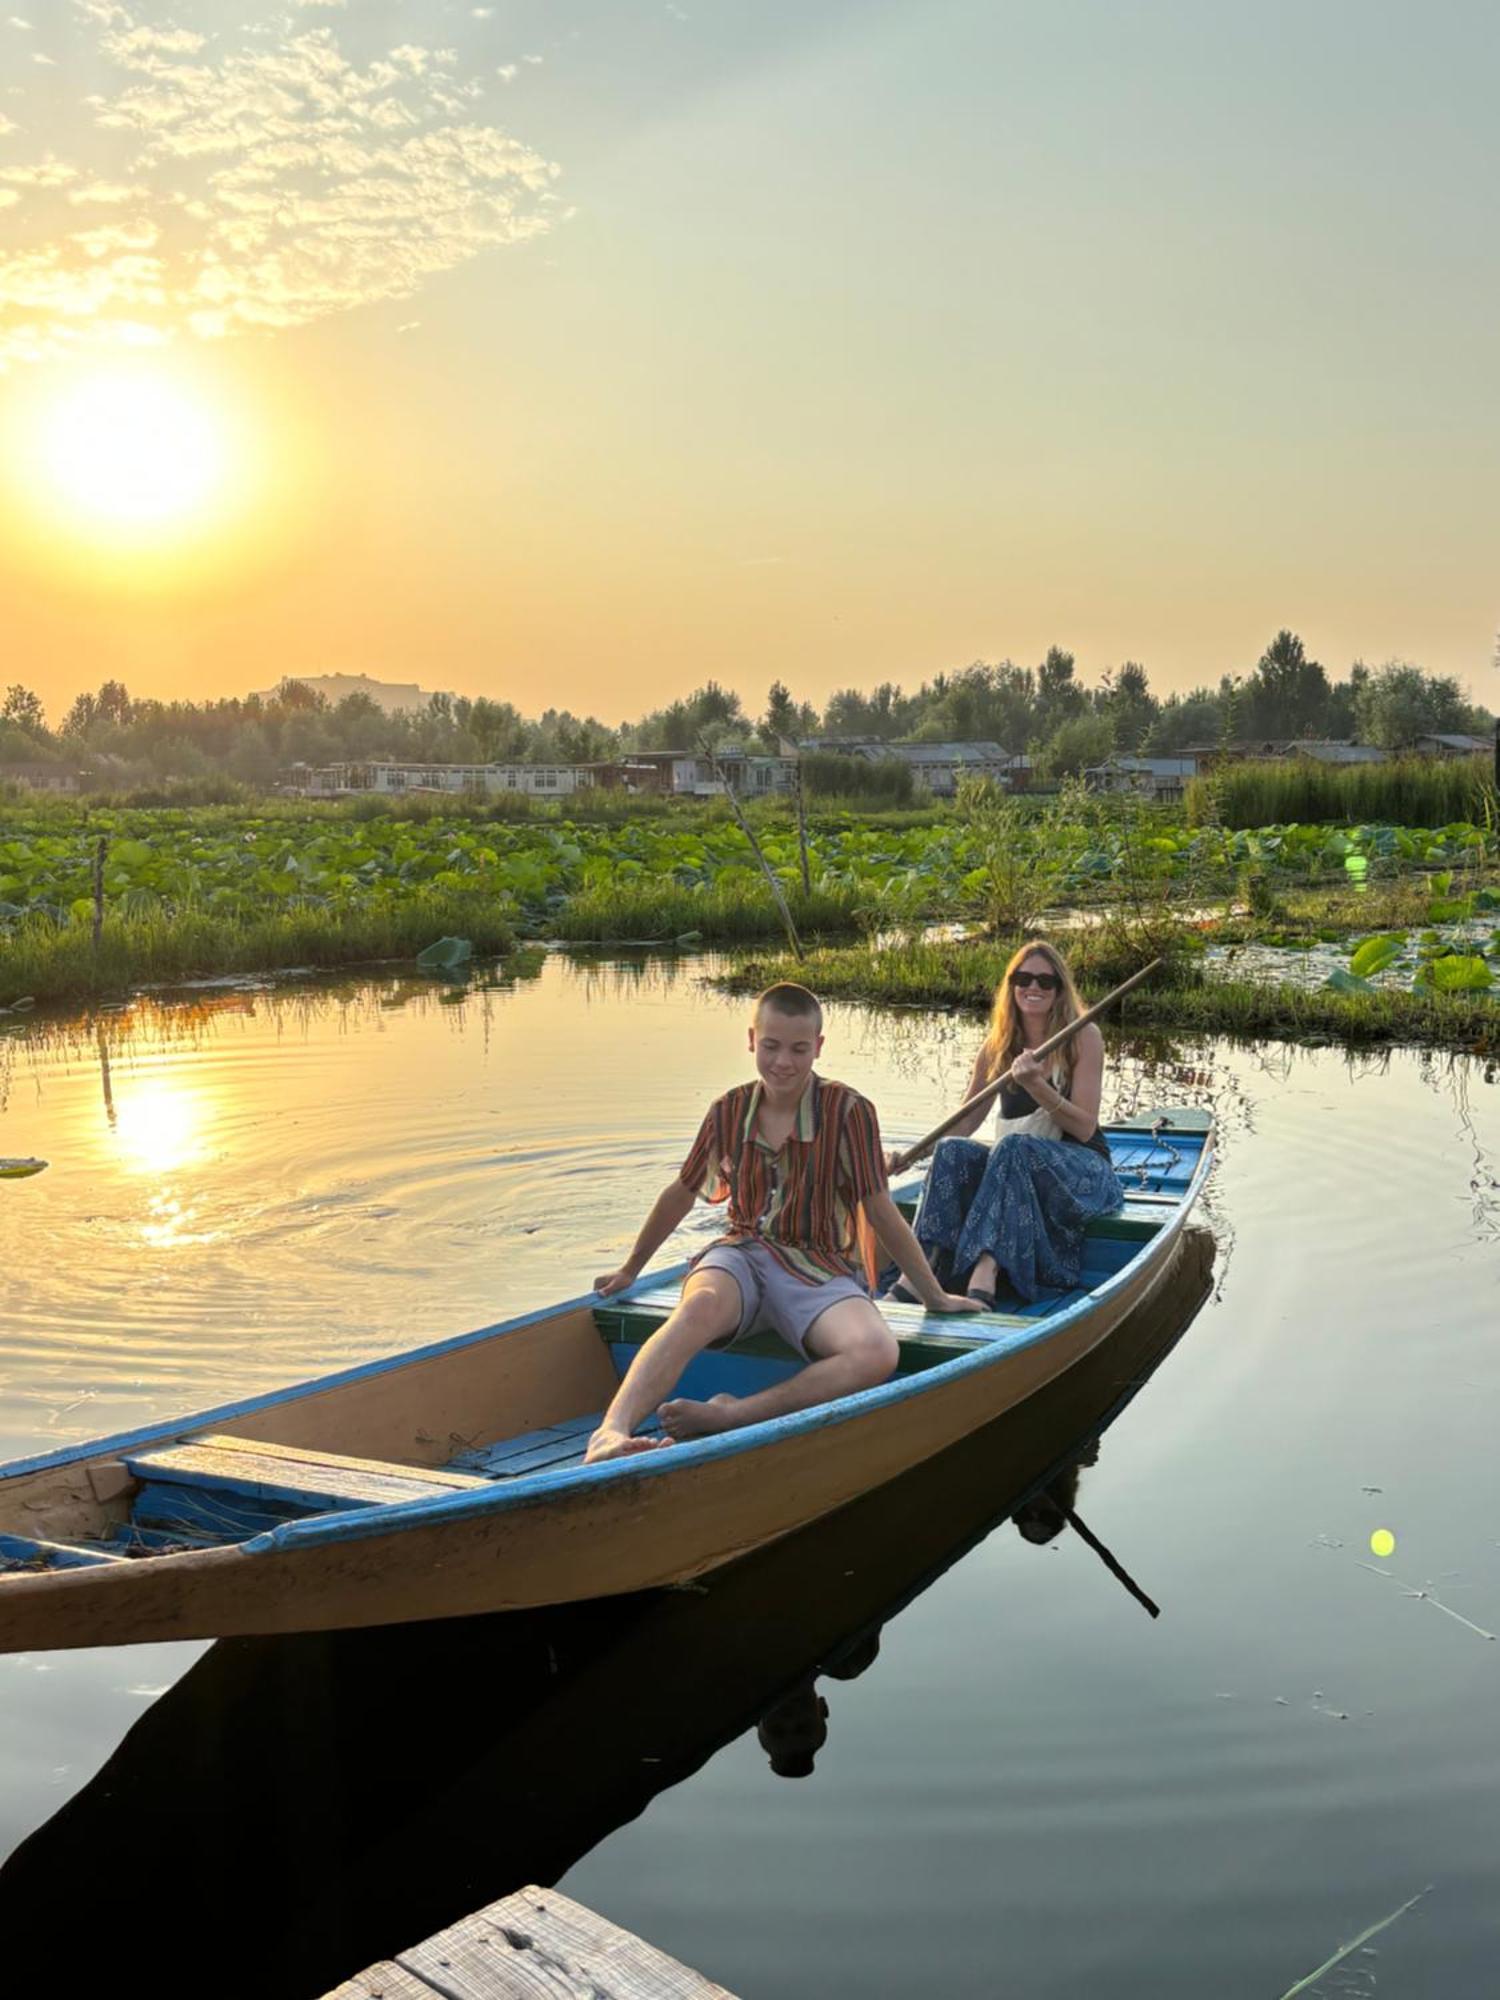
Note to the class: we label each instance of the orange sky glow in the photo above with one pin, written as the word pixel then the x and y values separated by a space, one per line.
pixel 575 355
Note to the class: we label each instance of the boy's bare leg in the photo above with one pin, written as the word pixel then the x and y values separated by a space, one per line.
pixel 709 1309
pixel 851 1348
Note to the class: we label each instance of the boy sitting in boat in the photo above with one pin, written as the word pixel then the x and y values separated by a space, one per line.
pixel 797 1157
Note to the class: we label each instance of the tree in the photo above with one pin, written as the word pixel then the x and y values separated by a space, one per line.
pixel 1076 745
pixel 887 713
pixel 292 693
pixel 24 709
pixel 1398 702
pixel 1126 701
pixel 1058 695
pixel 1288 693
pixel 781 718
pixel 1195 717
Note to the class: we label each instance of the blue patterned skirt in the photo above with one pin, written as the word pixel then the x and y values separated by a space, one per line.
pixel 1026 1201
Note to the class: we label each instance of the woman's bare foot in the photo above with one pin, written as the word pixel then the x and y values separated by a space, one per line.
pixel 686 1419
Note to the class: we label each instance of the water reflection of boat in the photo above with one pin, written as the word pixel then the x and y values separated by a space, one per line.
pixel 450 1481
pixel 393 1779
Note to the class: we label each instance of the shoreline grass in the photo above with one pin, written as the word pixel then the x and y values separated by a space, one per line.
pixel 1181 999
pixel 635 912
pixel 43 961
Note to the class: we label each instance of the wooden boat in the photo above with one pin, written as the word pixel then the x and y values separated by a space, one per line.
pixel 433 1766
pixel 450 1480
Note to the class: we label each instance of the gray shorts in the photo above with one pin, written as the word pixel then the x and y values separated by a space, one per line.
pixel 771 1299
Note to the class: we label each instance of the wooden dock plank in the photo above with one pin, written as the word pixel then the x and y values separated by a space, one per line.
pixel 386 1981
pixel 538 1945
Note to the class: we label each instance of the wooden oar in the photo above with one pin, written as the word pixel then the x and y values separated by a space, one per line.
pixel 925 1145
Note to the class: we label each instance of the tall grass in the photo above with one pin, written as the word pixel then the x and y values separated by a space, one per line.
pixel 1408 791
pixel 47 961
pixel 654 911
pixel 887 782
pixel 1180 998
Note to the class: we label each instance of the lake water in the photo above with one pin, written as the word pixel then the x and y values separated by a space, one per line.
pixel 1022 1782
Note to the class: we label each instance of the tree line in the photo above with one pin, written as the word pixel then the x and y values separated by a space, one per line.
pixel 1045 711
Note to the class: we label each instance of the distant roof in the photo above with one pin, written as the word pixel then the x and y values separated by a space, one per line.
pixel 950 753
pixel 1158 767
pixel 874 748
pixel 1459 742
pixel 1340 753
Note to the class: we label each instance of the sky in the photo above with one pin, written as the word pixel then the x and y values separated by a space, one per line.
pixel 574 354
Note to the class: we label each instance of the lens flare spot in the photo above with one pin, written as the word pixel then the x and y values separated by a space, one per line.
pixel 1383 1543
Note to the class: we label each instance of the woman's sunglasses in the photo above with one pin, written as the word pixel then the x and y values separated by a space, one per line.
pixel 1048 981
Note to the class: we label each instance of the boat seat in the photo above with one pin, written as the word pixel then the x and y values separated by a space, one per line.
pixel 931 1336
pixel 290 1475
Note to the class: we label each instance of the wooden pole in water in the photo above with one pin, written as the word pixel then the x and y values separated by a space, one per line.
pixel 100 847
pixel 926 1144
pixel 802 832
pixel 781 903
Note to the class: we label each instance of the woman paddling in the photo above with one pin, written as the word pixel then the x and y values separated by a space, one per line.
pixel 1019 1208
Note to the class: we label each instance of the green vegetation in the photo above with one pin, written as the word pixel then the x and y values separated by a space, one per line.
pixel 42 960
pixel 116 740
pixel 1408 791
pixel 1181 998
pixel 222 888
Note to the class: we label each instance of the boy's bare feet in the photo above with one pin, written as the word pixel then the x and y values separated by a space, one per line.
pixel 618 1444
pixel 686 1419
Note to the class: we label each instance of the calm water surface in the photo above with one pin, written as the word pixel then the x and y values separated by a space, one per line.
pixel 1031 1787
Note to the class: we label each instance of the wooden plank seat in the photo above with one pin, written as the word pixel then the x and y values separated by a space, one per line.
pixel 925 1337
pixel 291 1476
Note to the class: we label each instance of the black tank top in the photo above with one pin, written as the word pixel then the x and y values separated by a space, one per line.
pixel 1016 1102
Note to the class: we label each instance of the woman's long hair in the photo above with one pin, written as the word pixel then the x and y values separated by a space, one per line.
pixel 1007 1037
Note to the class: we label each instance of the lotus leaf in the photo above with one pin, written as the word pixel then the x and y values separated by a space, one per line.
pixel 446 955
pixel 1376 953
pixel 1457 973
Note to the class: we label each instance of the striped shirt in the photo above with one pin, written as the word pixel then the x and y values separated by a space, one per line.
pixel 802 1202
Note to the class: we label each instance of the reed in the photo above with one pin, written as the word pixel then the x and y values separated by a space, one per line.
pixel 636 911
pixel 48 961
pixel 1407 791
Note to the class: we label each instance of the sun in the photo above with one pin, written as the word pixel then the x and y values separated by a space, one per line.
pixel 132 452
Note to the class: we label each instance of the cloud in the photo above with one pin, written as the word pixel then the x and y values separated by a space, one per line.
pixel 108 193
pixel 46 173
pixel 260 180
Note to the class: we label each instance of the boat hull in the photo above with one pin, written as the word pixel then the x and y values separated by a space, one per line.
pixel 662 1519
